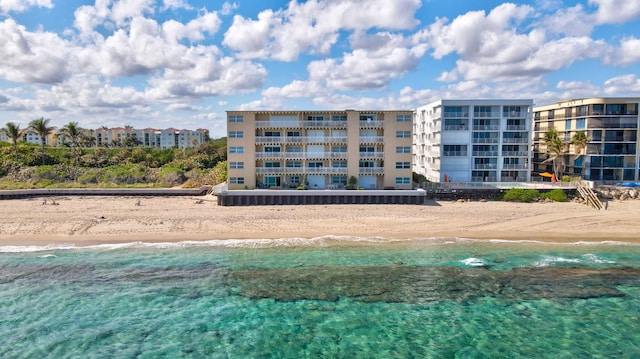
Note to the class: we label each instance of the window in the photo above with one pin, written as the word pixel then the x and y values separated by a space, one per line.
pixel 339 179
pixel 567 125
pixel 315 118
pixel 236 165
pixel 403 134
pixel 272 149
pixel 581 124
pixel 403 149
pixel 236 149
pixel 236 134
pixel 454 150
pixel 403 118
pixel 272 164
pixel 236 118
pixel 339 117
pixel 294 164
pixel 511 111
pixel 272 133
pixel 339 164
pixel 367 117
pixel 367 149
pixel 236 180
pixel 316 164
pixel 294 149
pixel 292 133
pixel 403 180
pixel 401 165
pixel 339 149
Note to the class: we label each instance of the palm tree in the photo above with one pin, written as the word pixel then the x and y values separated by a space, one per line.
pixel 557 148
pixel 42 128
pixel 74 133
pixel 13 131
pixel 580 142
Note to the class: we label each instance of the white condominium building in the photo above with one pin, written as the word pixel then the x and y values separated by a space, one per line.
pixel 319 149
pixel 473 140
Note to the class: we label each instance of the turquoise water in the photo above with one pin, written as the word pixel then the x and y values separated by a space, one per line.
pixel 322 298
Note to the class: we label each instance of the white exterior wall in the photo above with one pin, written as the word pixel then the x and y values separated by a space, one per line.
pixel 445 152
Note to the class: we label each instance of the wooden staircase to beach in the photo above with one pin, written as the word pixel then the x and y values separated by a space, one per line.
pixel 589 196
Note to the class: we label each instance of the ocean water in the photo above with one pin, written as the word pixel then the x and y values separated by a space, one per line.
pixel 330 297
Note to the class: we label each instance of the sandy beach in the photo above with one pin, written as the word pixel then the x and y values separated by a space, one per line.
pixel 100 220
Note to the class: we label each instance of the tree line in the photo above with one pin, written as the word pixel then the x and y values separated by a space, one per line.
pixel 81 164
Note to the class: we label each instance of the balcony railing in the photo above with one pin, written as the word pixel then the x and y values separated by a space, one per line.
pixel 486 127
pixel 514 166
pixel 371 123
pixel 486 140
pixel 485 166
pixel 455 153
pixel 485 153
pixel 371 139
pixel 515 153
pixel 371 154
pixel 486 114
pixel 301 139
pixel 371 170
pixel 456 114
pixel 301 155
pixel 300 170
pixel 315 123
pixel 278 124
pixel 515 140
pixel 516 128
pixel 455 128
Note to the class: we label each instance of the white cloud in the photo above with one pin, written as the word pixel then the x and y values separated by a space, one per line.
pixel 626 54
pixel 313 26
pixel 622 85
pixel 31 57
pixel 572 21
pixel 616 11
pixel 7 6
pixel 176 4
pixel 228 8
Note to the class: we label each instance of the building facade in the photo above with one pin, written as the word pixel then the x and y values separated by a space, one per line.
pixel 319 149
pixel 473 140
pixel 611 126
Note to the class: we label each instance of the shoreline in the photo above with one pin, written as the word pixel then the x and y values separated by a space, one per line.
pixel 86 221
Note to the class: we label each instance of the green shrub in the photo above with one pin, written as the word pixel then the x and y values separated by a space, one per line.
pixel 520 195
pixel 556 195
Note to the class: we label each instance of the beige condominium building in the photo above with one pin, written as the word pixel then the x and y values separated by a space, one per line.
pixel 319 149
pixel 482 140
pixel 611 126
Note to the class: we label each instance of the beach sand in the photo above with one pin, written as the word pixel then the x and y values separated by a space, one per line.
pixel 100 220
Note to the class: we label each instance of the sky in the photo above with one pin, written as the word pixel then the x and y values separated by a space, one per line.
pixel 184 63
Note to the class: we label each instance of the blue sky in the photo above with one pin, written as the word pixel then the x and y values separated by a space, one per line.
pixel 183 63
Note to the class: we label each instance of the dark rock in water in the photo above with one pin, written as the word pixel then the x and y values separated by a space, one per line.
pixel 414 284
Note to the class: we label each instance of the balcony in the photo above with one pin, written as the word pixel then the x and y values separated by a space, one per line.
pixel 485 166
pixel 454 153
pixel 486 140
pixel 371 171
pixel 322 123
pixel 371 154
pixel 371 139
pixel 512 166
pixel 486 127
pixel 515 154
pixel 515 140
pixel 371 124
pixel 300 170
pixel 516 128
pixel 484 114
pixel 485 153
pixel 461 114
pixel 278 124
